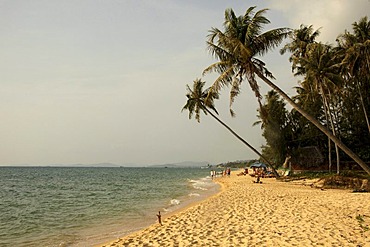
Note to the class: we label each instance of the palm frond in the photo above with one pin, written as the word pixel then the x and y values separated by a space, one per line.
pixel 198 100
pixel 236 47
pixel 270 40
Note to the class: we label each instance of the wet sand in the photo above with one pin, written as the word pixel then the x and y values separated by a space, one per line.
pixel 273 213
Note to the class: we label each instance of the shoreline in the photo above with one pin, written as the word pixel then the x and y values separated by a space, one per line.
pixel 200 189
pixel 185 205
pixel 273 213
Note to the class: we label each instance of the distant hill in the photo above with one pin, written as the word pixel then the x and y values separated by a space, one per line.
pixel 180 164
pixel 92 165
pixel 69 165
pixel 183 164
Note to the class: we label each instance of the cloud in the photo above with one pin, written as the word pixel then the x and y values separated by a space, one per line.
pixel 333 16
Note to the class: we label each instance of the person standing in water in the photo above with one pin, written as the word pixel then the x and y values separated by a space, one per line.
pixel 159 217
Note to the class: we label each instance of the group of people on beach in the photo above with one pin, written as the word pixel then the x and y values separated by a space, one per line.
pixel 243 173
pixel 225 172
pixel 257 172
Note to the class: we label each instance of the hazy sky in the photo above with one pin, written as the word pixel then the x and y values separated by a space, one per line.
pixel 94 81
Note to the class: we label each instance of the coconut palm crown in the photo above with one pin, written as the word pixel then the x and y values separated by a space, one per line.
pixel 237 48
pixel 199 100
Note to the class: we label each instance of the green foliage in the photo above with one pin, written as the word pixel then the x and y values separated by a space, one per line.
pixel 237 164
pixel 199 100
pixel 238 49
pixel 274 122
pixel 333 77
pixel 320 175
pixel 361 220
pixel 338 76
pixel 310 175
pixel 355 174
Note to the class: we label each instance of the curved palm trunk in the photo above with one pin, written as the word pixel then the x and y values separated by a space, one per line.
pixel 363 108
pixel 316 123
pixel 245 142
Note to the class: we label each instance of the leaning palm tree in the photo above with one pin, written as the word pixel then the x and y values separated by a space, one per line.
pixel 203 101
pixel 237 48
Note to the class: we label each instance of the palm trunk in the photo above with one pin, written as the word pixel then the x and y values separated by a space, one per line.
pixel 336 146
pixel 329 118
pixel 363 107
pixel 334 132
pixel 316 123
pixel 245 142
pixel 327 122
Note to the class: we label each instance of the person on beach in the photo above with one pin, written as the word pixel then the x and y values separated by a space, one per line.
pixel 259 175
pixel 159 217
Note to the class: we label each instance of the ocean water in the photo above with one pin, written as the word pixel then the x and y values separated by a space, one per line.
pixel 55 206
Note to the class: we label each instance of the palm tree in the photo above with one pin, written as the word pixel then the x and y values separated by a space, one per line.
pixel 236 49
pixel 301 38
pixel 307 58
pixel 356 61
pixel 203 101
pixel 322 70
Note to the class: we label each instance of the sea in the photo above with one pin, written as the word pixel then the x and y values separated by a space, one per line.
pixel 86 206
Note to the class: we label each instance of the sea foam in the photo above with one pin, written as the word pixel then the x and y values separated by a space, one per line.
pixel 194 194
pixel 200 184
pixel 175 202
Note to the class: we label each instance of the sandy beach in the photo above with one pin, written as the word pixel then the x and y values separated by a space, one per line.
pixel 273 213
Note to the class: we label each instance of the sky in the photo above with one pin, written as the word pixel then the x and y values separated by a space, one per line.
pixel 93 81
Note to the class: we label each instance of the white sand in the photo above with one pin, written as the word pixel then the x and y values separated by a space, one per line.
pixel 270 214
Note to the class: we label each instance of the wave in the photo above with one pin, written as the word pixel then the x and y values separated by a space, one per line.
pixel 202 184
pixel 175 202
pixel 194 194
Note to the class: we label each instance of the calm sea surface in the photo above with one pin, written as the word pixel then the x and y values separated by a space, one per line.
pixel 53 206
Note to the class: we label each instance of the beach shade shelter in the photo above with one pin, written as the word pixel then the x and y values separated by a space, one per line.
pixel 258 165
